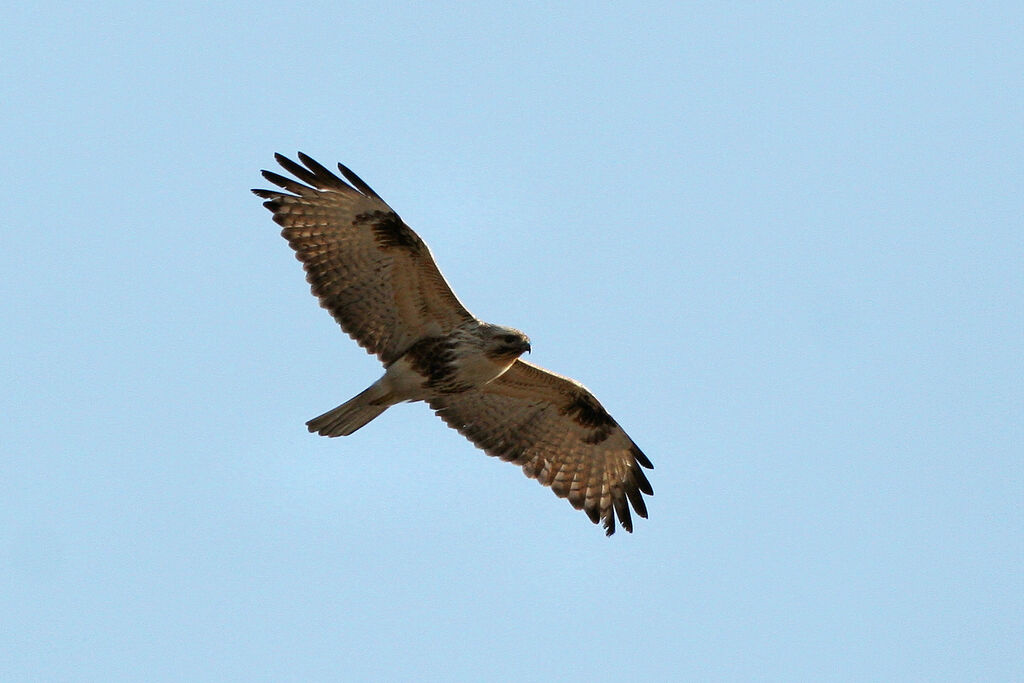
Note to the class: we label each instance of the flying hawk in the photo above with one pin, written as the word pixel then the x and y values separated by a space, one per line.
pixel 379 281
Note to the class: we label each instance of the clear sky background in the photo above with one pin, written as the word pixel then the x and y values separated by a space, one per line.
pixel 781 242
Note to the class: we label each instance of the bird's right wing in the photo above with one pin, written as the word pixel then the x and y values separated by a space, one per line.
pixel 367 267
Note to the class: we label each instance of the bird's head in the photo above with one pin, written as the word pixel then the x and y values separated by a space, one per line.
pixel 505 342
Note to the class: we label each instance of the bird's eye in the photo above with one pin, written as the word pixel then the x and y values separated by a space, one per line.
pixel 511 339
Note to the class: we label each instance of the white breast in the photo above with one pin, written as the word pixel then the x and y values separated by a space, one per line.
pixel 477 369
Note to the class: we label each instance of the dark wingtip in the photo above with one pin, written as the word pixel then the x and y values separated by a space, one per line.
pixel 622 511
pixel 639 456
pixel 313 165
pixel 357 182
pixel 642 483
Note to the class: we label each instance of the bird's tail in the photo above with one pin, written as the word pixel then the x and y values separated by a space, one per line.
pixel 352 414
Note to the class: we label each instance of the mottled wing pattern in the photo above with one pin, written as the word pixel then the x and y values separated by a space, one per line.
pixel 367 267
pixel 560 435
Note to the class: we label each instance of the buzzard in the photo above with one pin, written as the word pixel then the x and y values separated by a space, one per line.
pixel 378 279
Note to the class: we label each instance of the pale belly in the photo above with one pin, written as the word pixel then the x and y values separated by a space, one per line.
pixel 404 383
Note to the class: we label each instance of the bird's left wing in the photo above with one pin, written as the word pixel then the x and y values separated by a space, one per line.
pixel 558 432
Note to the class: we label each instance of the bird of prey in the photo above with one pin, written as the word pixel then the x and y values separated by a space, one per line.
pixel 379 281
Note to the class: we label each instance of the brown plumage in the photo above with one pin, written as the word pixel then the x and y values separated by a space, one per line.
pixel 378 279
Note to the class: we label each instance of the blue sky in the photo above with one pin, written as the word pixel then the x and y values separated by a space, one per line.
pixel 782 243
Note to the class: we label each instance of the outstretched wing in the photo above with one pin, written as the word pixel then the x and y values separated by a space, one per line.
pixel 368 268
pixel 560 434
